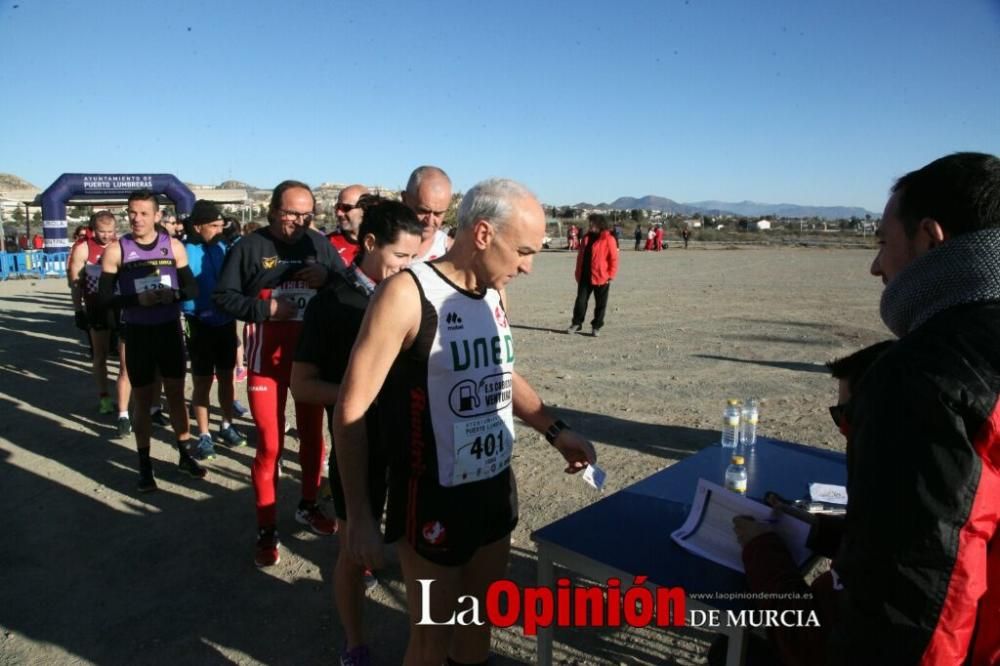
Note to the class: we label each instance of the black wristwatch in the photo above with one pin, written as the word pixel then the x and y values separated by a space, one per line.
pixel 554 430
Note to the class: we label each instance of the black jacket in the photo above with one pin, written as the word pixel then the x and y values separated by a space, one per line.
pixel 259 263
pixel 920 558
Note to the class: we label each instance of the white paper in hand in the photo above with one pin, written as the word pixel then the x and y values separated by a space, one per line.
pixel 594 476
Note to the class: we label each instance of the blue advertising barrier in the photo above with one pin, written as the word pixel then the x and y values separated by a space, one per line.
pixel 33 263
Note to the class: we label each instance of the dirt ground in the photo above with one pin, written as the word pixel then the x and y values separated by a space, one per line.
pixel 94 573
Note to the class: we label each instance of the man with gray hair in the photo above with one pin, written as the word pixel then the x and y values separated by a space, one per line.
pixel 428 194
pixel 447 402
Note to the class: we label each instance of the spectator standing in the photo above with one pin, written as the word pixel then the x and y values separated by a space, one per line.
pixel 596 267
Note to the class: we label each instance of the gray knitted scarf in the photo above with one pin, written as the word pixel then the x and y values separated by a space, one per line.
pixel 963 269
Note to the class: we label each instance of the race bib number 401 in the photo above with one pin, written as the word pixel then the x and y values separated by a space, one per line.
pixel 482 449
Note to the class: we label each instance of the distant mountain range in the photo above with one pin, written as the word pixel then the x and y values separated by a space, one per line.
pixel 743 208
pixel 649 202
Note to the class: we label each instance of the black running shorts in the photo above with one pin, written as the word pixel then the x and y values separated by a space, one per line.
pixel 98 318
pixel 448 525
pixel 212 349
pixel 152 349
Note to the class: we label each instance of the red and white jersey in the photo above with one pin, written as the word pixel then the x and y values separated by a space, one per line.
pixel 92 269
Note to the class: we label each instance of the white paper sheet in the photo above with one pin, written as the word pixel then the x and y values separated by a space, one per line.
pixel 708 530
pixel 594 476
pixel 826 492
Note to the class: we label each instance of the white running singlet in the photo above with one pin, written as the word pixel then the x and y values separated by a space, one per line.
pixel 469 381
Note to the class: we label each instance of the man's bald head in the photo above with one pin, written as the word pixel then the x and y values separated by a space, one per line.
pixel 347 211
pixel 428 195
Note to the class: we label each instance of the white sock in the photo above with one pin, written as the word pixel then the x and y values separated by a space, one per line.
pixel 226 425
pixel 123 415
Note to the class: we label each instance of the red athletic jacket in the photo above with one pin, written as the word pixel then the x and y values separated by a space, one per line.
pixel 603 260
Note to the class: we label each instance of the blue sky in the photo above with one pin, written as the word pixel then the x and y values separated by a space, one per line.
pixel 783 101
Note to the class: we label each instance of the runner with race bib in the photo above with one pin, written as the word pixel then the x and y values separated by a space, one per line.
pixel 436 350
pixel 267 281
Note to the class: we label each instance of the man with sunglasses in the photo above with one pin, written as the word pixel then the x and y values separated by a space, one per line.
pixel 345 239
pixel 428 195
pixel 267 280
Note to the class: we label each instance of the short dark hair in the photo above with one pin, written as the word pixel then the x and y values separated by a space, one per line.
pixel 853 366
pixel 385 219
pixel 961 191
pixel 598 221
pixel 102 215
pixel 279 192
pixel 144 195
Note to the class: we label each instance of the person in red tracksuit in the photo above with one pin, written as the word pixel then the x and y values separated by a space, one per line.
pixel 596 267
pixel 658 239
pixel 268 279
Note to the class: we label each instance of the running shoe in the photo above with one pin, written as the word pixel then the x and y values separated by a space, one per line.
pixel 595 332
pixel 202 448
pixel 575 328
pixel 267 551
pixel 124 426
pixel 159 418
pixel 106 406
pixel 311 516
pixel 356 657
pixel 240 375
pixel 370 581
pixel 147 483
pixel 190 466
pixel 232 437
pixel 240 410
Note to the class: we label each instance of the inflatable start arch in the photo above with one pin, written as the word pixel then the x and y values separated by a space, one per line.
pixel 100 187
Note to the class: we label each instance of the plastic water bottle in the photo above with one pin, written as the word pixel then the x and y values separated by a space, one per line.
pixel 731 424
pixel 749 416
pixel 736 476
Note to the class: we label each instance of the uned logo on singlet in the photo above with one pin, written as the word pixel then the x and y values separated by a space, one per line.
pixel 482 353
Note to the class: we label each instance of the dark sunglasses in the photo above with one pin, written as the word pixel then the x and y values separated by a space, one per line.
pixel 345 207
pixel 837 413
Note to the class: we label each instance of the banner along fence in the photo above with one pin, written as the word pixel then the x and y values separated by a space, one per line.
pixel 32 264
